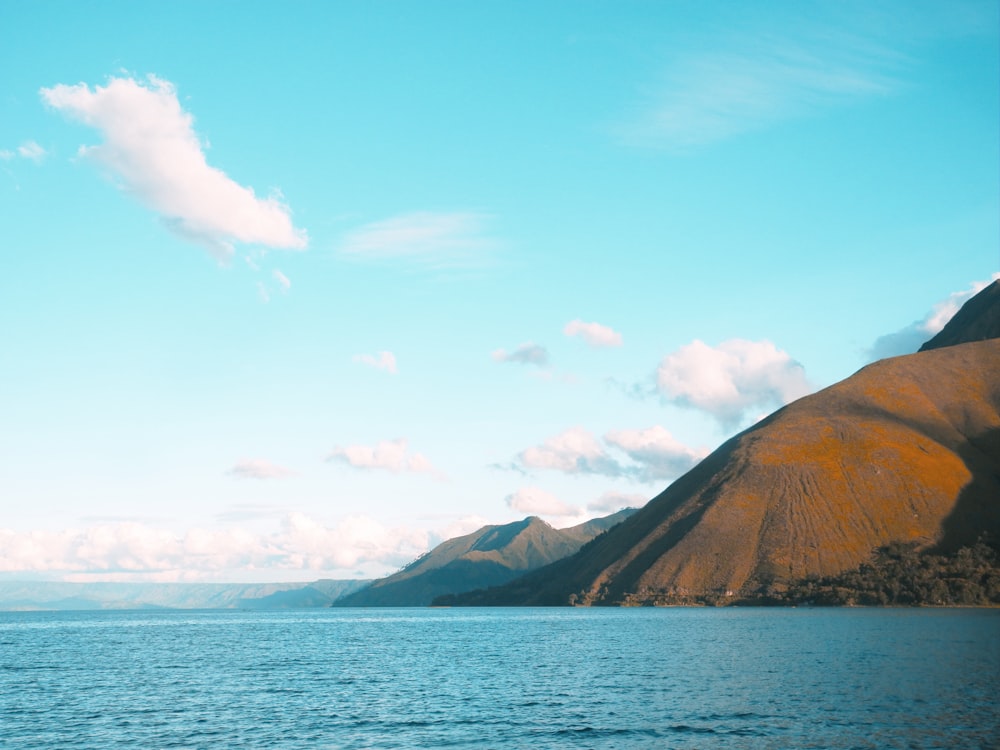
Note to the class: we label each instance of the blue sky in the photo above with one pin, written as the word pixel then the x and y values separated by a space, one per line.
pixel 299 290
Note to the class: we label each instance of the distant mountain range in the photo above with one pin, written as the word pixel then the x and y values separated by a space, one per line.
pixel 488 557
pixel 906 451
pixel 50 595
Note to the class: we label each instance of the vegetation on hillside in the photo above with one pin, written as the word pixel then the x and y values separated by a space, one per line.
pixel 900 575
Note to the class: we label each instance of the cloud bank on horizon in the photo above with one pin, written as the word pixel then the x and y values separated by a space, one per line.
pixel 134 551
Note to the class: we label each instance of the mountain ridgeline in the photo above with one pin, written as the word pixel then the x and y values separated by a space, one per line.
pixel 900 461
pixel 491 556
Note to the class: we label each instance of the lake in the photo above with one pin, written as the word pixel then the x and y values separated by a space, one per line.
pixel 501 678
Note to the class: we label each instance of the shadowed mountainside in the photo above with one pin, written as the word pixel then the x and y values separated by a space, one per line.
pixel 488 557
pixel 907 450
pixel 978 320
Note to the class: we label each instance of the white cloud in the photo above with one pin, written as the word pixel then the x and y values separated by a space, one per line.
pixel 909 339
pixel 525 354
pixel 656 451
pixel 31 150
pixel 433 240
pixel 386 455
pixel 151 147
pixel 259 468
pixel 537 502
pixel 383 361
pixel 573 451
pixel 595 334
pixel 262 292
pixel 612 502
pixel 650 454
pixel 28 150
pixel 731 379
pixel 283 281
pixel 139 551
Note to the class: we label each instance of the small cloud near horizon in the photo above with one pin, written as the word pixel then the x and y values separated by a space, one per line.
pixel 525 354
pixel 385 361
pixel 909 339
pixel 386 455
pixel 537 502
pixel 595 335
pixel 259 468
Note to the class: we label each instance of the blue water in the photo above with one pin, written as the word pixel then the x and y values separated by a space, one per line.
pixel 512 678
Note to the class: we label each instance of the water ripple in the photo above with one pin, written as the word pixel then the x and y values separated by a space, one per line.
pixel 599 679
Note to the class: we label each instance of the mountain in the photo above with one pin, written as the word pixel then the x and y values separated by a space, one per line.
pixel 53 595
pixel 488 557
pixel 978 320
pixel 905 451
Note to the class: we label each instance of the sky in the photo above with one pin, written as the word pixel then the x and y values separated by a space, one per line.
pixel 299 290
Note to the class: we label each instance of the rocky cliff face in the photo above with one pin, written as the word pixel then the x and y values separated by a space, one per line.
pixel 906 450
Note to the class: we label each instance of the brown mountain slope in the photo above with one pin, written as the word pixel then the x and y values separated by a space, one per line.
pixel 489 556
pixel 907 449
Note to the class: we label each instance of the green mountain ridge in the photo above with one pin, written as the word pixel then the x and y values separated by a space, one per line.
pixel 490 556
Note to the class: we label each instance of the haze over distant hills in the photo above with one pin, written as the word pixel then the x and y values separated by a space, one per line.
pixel 907 450
pixel 52 595
pixel 489 556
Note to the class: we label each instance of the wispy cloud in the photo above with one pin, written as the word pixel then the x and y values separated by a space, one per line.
pixel 284 283
pixel 386 455
pixel 423 238
pixel 525 354
pixel 732 86
pixel 28 150
pixel 382 361
pixel 909 339
pixel 596 335
pixel 729 380
pixel 259 468
pixel 644 455
pixel 140 551
pixel 151 147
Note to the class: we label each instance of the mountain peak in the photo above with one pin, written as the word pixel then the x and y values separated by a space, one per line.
pixel 977 320
pixel 490 556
